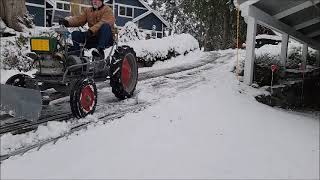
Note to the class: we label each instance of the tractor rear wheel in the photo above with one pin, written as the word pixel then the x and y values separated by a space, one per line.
pixel 83 98
pixel 123 72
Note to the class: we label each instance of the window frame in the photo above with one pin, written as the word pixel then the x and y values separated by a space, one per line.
pixel 126 11
pixel 63 4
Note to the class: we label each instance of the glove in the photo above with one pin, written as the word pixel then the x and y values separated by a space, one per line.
pixel 89 34
pixel 64 22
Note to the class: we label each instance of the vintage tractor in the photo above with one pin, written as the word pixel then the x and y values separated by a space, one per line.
pixel 70 75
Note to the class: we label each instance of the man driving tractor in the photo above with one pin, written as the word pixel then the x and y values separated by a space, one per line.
pixel 100 20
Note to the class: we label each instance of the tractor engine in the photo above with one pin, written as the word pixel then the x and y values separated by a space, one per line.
pixel 51 64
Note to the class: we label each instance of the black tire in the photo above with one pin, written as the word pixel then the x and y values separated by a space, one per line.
pixel 22 80
pixel 123 72
pixel 83 88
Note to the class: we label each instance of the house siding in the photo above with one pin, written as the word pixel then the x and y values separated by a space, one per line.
pixel 38 13
pixel 145 23
pixel 150 20
pixel 41 2
pixel 121 21
pixel 138 12
pixel 130 2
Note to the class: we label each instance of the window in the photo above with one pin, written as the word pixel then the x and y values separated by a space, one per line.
pixel 129 12
pixel 59 6
pixel 64 6
pixel 126 11
pixel 122 11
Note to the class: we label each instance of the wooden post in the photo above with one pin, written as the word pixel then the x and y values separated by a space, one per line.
pixel 318 58
pixel 284 49
pixel 304 56
pixel 250 50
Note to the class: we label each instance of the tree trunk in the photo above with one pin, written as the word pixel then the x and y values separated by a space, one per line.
pixel 11 11
pixel 226 30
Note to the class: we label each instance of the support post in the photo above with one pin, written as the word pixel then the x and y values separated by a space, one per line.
pixel 304 56
pixel 250 50
pixel 284 49
pixel 318 58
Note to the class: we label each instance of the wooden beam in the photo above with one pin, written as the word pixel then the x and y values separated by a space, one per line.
pixel 307 23
pixel 295 9
pixel 243 3
pixel 314 34
pixel 250 50
pixel 269 21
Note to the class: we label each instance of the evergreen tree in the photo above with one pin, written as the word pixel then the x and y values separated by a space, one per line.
pixel 212 22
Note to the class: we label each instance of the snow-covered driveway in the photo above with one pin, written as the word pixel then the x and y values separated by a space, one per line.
pixel 198 124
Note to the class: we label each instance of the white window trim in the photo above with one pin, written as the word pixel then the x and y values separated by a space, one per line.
pixel 125 11
pixel 35 5
pixel 135 7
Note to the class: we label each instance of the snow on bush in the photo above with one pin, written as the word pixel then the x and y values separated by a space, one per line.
pixel 295 56
pixel 14 54
pixel 268 55
pixel 130 32
pixel 165 48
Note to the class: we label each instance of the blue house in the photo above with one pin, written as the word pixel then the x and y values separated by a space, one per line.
pixel 47 12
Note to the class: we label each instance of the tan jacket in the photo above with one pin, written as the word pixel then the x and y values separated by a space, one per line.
pixel 94 18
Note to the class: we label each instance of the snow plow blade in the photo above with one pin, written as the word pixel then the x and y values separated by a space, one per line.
pixel 22 102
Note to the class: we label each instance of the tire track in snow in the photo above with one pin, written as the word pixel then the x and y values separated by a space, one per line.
pixel 177 78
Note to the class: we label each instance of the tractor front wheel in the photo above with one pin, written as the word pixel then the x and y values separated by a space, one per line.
pixel 83 98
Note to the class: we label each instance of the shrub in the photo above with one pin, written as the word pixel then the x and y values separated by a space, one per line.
pixel 295 57
pixel 130 32
pixel 262 69
pixel 161 49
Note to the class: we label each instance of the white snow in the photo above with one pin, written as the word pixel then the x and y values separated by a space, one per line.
pixel 52 129
pixel 191 58
pixel 266 36
pixel 153 49
pixel 130 32
pixel 211 129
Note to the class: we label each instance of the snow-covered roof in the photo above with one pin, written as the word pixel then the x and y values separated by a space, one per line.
pixel 297 18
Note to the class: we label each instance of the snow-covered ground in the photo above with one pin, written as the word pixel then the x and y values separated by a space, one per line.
pixel 199 123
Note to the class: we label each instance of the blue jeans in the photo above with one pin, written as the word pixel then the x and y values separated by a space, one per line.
pixel 101 40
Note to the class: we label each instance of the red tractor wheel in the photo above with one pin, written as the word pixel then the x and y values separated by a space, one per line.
pixel 124 72
pixel 83 98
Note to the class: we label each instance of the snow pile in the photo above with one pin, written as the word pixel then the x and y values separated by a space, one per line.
pixel 165 48
pixel 272 50
pixel 52 129
pixel 267 36
pixel 130 32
